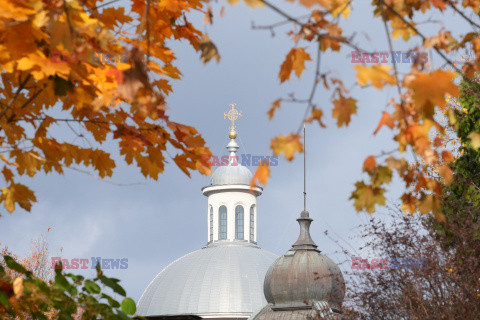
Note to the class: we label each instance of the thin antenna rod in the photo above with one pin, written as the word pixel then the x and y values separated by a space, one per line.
pixel 304 170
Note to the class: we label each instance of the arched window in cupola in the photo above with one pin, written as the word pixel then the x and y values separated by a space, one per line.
pixel 222 223
pixel 252 223
pixel 239 222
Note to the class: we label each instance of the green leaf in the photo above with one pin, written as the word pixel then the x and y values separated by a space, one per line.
pixel 113 303
pixel 114 285
pixel 91 286
pixel 128 306
pixel 64 316
pixel 122 315
pixel 4 299
pixel 61 282
pixel 12 264
pixel 76 278
pixel 39 315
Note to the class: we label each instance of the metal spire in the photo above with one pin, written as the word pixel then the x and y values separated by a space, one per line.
pixel 304 241
pixel 304 170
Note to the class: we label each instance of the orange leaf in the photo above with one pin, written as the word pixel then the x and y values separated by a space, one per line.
pixel 287 145
pixel 261 174
pixel 317 114
pixel 275 106
pixel 447 156
pixel 343 110
pixel 385 120
pixel 369 163
pixel 294 61
pixel 446 173
pixel 429 89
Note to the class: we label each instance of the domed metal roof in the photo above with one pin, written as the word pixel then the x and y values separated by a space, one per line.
pixel 303 283
pixel 231 175
pixel 304 275
pixel 222 279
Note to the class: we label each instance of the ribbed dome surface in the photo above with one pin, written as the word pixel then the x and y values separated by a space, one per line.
pixel 303 276
pixel 231 174
pixel 221 279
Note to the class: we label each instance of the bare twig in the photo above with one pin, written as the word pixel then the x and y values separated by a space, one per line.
pixel 320 35
pixel 452 5
pixel 449 62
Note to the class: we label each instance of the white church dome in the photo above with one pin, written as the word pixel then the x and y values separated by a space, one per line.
pixel 224 278
pixel 231 174
pixel 234 172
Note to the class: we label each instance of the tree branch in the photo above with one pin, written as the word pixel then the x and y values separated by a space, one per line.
pixel 449 62
pixel 452 5
pixel 320 35
pixel 21 86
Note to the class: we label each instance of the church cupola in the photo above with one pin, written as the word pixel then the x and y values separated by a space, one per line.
pixel 232 203
pixel 303 283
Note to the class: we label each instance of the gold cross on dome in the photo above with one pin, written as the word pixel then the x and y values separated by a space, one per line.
pixel 233 115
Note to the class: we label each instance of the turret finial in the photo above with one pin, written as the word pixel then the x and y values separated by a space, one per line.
pixel 232 115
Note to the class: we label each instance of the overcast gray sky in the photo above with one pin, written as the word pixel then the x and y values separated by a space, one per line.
pixel 152 223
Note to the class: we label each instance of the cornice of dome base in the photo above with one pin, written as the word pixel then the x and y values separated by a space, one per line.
pixel 208 190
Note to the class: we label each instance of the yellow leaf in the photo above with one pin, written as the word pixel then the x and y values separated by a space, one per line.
pixel 378 75
pixel 17 193
pixel 398 164
pixel 18 287
pixel 254 3
pixel 340 7
pixel 474 138
pixel 294 61
pixel 430 203
pixel 366 197
pixel 401 29
pixel 287 145
pixel 25 64
pixel 343 110
pixel 429 89
pixel 250 3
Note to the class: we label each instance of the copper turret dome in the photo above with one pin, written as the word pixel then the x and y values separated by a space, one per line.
pixel 302 283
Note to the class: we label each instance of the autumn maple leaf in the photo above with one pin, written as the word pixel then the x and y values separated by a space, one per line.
pixel 287 145
pixel 261 174
pixel 378 75
pixel 294 61
pixel 343 110
pixel 429 89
